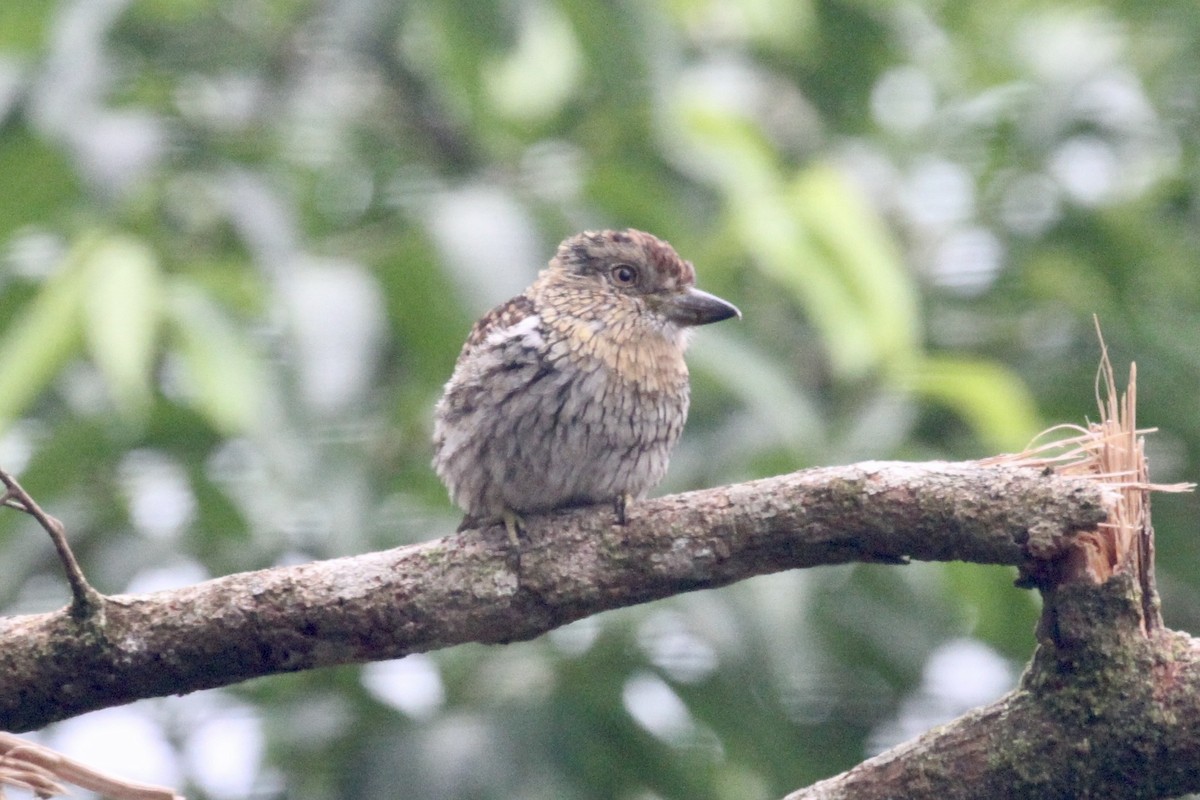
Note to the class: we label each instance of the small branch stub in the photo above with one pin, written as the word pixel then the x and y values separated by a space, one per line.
pixel 86 601
pixel 1107 705
pixel 1110 453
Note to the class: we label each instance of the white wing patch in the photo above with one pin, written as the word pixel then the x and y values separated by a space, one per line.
pixel 527 329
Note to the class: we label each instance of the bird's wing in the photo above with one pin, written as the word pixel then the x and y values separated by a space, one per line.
pixel 501 321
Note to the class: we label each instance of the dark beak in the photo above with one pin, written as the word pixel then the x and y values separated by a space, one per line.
pixel 694 307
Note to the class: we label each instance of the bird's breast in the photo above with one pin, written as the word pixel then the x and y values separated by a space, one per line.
pixel 649 359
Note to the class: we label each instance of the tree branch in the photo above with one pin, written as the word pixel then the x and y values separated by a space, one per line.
pixel 1108 705
pixel 1104 711
pixel 462 588
pixel 86 600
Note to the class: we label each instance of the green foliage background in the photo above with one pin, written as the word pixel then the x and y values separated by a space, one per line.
pixel 241 242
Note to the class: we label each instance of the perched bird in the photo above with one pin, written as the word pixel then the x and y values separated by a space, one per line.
pixel 575 391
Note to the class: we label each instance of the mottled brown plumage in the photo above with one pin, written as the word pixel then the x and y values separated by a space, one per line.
pixel 575 391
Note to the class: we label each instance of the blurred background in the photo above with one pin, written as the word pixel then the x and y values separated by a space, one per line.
pixel 241 243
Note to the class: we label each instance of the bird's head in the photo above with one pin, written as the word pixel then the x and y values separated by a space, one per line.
pixel 634 274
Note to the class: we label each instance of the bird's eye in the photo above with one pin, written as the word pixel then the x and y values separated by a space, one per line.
pixel 624 275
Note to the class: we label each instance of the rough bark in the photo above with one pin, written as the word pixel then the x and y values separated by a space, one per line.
pixel 470 587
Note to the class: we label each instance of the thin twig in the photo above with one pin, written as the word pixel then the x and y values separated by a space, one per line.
pixel 86 600
pixel 32 766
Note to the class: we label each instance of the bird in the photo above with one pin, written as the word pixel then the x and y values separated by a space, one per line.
pixel 575 391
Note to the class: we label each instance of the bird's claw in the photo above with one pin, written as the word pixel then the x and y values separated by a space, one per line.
pixel 620 503
pixel 514 526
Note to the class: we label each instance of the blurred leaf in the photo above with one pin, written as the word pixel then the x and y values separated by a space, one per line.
pixel 38 178
pixel 990 397
pixel 633 189
pixel 121 312
pixel 997 612
pixel 222 374
pixel 817 237
pixel 1068 278
pixel 725 148
pixel 44 336
pixel 784 415
pixel 617 79
pixel 735 155
pixel 22 25
pixel 867 265
pixel 782 24
pixel 537 76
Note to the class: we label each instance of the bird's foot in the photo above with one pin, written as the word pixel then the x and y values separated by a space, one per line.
pixel 620 503
pixel 514 526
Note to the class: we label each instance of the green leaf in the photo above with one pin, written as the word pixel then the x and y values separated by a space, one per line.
pixel 783 414
pixel 773 233
pixel 817 237
pixel 535 78
pixel 995 612
pixel 222 376
pixel 770 221
pixel 43 337
pixel 992 399
pixel 867 265
pixel 122 309
pixel 23 25
pixel 39 182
